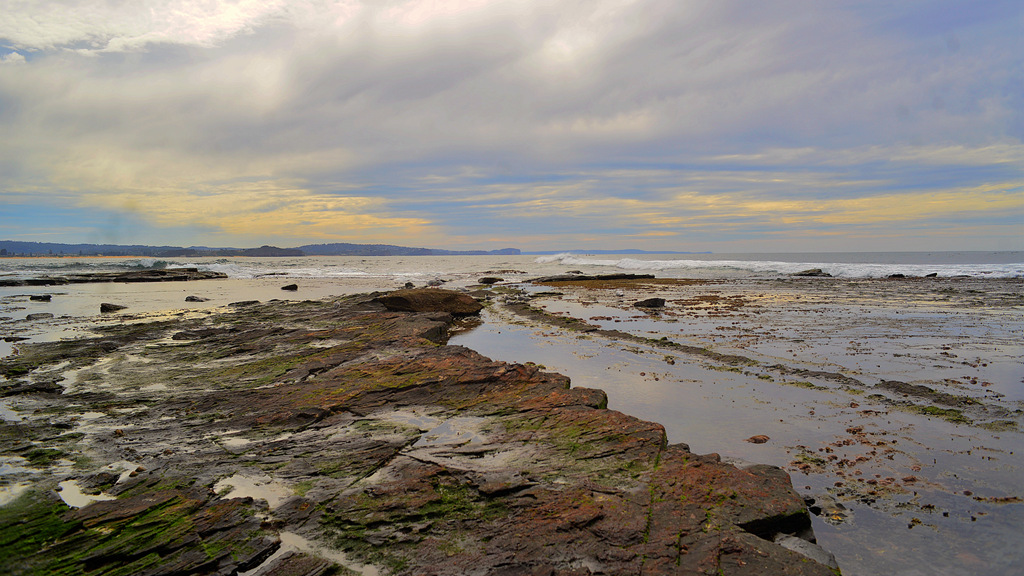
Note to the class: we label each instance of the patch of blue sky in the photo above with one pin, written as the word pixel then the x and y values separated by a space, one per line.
pixel 925 17
pixel 44 222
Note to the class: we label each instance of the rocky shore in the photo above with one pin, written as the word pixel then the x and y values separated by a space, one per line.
pixel 344 435
pixel 148 275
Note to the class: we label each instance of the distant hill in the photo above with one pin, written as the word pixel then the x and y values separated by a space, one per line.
pixel 628 251
pixel 341 249
pixel 16 248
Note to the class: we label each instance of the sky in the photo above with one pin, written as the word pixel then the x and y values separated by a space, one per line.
pixel 683 125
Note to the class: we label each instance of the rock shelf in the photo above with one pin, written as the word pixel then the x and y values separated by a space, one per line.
pixel 155 275
pixel 215 444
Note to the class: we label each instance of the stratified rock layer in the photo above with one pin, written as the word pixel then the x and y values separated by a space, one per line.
pixel 355 428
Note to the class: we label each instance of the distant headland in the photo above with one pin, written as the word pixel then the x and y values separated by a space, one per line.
pixel 12 248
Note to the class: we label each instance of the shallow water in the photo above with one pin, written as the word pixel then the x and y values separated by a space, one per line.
pixel 937 509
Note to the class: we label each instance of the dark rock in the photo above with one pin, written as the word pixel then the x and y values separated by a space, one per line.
pixel 758 439
pixel 18 387
pixel 39 316
pixel 199 334
pixel 157 275
pixel 571 277
pixel 196 299
pixel 424 300
pixel 409 285
pixel 896 276
pixel 244 303
pixel 812 273
pixel 40 297
pixel 490 280
pixel 436 282
pixel 108 307
pixel 290 287
pixel 14 338
pixel 932 275
pixel 650 303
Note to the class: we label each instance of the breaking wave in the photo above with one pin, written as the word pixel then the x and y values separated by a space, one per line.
pixel 782 268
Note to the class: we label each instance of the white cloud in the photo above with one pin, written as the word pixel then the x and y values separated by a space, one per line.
pixel 12 58
pixel 114 26
pixel 774 99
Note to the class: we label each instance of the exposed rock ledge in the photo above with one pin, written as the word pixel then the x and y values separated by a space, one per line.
pixel 155 275
pixel 356 431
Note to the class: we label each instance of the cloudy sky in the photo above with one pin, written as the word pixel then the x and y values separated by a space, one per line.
pixel 783 125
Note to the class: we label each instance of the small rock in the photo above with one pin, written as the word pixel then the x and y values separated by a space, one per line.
pixel 40 297
pixel 290 287
pixel 808 549
pixel 758 439
pixel 196 299
pixel 489 280
pixel 39 316
pixel 650 303
pixel 409 285
pixel 108 307
pixel 813 272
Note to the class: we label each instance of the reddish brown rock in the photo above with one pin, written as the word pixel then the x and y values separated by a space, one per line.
pixel 410 456
pixel 430 300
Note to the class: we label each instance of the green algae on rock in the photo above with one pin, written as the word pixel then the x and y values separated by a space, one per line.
pixel 349 425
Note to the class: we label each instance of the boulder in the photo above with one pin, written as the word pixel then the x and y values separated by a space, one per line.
pixel 195 299
pixel 40 297
pixel 489 280
pixel 108 307
pixel 39 316
pixel 424 300
pixel 290 287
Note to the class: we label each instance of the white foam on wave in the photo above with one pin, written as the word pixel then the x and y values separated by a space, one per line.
pixel 245 270
pixel 773 267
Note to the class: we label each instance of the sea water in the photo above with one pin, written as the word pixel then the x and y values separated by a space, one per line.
pixel 422 268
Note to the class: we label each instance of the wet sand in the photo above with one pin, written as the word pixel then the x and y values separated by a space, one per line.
pixel 894 404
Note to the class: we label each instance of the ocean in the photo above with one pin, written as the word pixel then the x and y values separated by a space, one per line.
pixel 418 268
pixel 894 404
